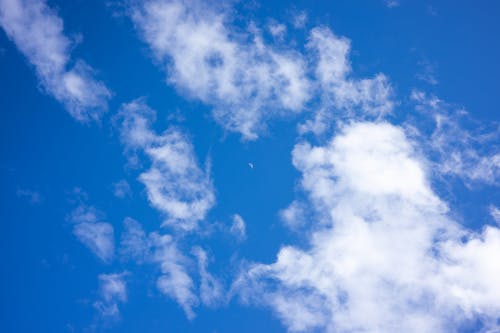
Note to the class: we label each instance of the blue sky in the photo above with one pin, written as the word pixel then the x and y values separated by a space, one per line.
pixel 186 166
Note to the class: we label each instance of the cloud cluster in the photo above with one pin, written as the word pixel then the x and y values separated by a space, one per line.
pixel 175 184
pixel 383 255
pixel 98 236
pixel 38 33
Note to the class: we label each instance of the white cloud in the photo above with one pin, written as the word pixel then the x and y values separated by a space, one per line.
pixel 112 290
pixel 247 81
pixel 121 189
pixel 243 79
pixel 299 19
pixel 462 147
pixel 277 30
pixel 174 281
pixel 383 255
pixel 134 243
pixel 343 96
pixel 175 184
pixel 96 235
pixel 211 291
pixel 294 216
pixel 238 228
pixel 38 33
pixel 495 214
pixel 427 72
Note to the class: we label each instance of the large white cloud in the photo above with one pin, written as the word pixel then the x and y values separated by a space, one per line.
pixel 175 184
pixel 383 255
pixel 38 33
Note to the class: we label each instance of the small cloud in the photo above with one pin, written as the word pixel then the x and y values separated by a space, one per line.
pixel 112 290
pixel 495 214
pixel 97 236
pixel 427 72
pixel 432 11
pixel 251 165
pixel 293 215
pixel 299 20
pixel 277 30
pixel 238 228
pixel 121 189
pixel 391 3
pixel 32 196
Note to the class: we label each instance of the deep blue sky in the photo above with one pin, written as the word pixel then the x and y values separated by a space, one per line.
pixel 49 279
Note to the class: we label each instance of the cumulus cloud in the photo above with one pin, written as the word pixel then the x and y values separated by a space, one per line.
pixel 38 33
pixel 383 255
pixel 113 291
pixel 175 183
pixel 96 235
pixel 245 80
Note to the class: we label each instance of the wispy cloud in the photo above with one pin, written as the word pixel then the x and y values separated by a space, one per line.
pixel 460 146
pixel 112 291
pixel 211 290
pixel 96 235
pixel 175 184
pixel 238 227
pixel 161 249
pixel 383 254
pixel 38 33
pixel 495 214
pixel 343 96
pixel 34 197
pixel 391 3
pixel 121 189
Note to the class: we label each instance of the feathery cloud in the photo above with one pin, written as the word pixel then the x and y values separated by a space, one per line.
pixel 97 236
pixel 112 290
pixel 38 33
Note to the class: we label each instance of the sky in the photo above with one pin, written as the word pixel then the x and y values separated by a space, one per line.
pixel 243 166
